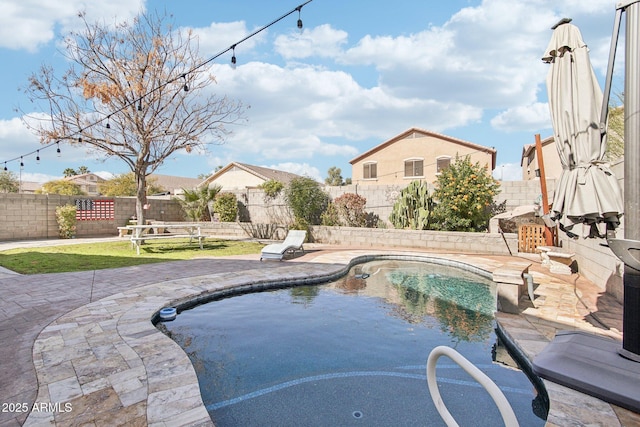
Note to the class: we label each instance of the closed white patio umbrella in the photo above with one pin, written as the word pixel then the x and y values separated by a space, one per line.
pixel 587 191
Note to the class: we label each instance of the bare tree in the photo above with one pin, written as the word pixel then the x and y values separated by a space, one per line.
pixel 136 91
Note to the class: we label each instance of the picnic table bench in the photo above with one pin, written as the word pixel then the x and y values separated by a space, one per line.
pixel 139 233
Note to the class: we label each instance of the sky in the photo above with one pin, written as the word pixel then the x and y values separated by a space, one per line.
pixel 358 74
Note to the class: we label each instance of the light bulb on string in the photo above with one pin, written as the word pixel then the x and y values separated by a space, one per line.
pixel 21 163
pixel 299 19
pixel 108 125
pixel 5 166
pixel 38 156
pixel 186 86
pixel 58 152
pixel 233 57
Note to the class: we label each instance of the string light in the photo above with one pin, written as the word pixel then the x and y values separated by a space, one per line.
pixel 185 87
pixel 21 162
pixel 38 157
pixel 181 76
pixel 233 57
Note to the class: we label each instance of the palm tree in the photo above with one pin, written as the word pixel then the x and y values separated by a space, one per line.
pixel 69 172
pixel 196 202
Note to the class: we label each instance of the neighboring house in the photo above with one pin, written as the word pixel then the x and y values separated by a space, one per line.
pixel 237 176
pixel 415 154
pixel 29 187
pixel 551 161
pixel 174 184
pixel 88 183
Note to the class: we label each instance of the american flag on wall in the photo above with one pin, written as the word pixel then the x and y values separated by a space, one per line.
pixel 91 210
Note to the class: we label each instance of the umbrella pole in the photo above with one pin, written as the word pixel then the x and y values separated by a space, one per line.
pixel 631 280
pixel 548 232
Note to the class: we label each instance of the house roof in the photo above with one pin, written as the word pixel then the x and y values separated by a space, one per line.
pixel 171 183
pixel 408 132
pixel 259 171
pixel 84 178
pixel 529 148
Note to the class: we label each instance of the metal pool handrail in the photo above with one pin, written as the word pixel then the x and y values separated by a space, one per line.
pixel 508 416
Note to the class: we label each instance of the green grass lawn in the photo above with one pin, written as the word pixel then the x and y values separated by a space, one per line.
pixel 100 255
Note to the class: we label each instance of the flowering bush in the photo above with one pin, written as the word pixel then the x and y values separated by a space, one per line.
pixel 66 219
pixel 464 194
pixel 351 209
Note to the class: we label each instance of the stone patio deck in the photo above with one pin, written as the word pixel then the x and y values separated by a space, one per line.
pixel 84 351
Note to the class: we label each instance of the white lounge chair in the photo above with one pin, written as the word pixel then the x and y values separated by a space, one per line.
pixel 292 243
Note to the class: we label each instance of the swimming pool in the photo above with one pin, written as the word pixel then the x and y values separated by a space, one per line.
pixel 351 352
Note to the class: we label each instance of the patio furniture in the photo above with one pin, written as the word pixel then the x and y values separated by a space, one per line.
pixel 292 243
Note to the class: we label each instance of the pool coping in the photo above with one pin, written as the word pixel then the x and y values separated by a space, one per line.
pixel 109 363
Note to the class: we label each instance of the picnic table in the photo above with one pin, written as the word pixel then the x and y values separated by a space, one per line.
pixel 140 233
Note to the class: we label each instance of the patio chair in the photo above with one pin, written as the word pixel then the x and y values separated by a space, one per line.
pixel 292 243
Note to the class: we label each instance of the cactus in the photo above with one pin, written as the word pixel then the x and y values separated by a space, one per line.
pixel 413 207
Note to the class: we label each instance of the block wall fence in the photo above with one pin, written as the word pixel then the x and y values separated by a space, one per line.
pixel 32 216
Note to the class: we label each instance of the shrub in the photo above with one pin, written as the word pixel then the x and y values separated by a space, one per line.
pixel 330 216
pixel 271 188
pixel 350 208
pixel 306 199
pixel 66 219
pixel 226 206
pixel 464 194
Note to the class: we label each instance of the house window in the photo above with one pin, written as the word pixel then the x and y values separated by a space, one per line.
pixel 370 171
pixel 442 163
pixel 413 168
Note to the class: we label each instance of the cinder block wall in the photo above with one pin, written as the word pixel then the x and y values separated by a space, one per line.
pixel 33 216
pixel 486 243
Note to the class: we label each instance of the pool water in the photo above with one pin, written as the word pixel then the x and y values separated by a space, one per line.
pixel 351 352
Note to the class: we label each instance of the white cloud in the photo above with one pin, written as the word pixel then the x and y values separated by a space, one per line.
pixel 523 118
pixel 303 169
pixel 219 36
pixel 30 24
pixel 508 172
pixel 321 41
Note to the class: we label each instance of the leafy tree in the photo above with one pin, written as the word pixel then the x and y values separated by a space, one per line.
pixel 226 205
pixel 271 188
pixel 68 172
pixel 125 185
pixel 8 182
pixel 307 200
pixel 137 91
pixel 351 209
pixel 196 202
pixel 413 207
pixel 334 176
pixel 82 170
pixel 347 181
pixel 464 194
pixel 61 186
pixel 615 133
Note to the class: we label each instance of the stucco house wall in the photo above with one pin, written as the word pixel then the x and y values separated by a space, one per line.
pixel 416 144
pixel 530 162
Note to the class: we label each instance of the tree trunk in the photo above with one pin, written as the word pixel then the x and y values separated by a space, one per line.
pixel 141 197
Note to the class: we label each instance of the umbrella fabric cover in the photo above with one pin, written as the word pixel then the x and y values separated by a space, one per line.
pixel 587 191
